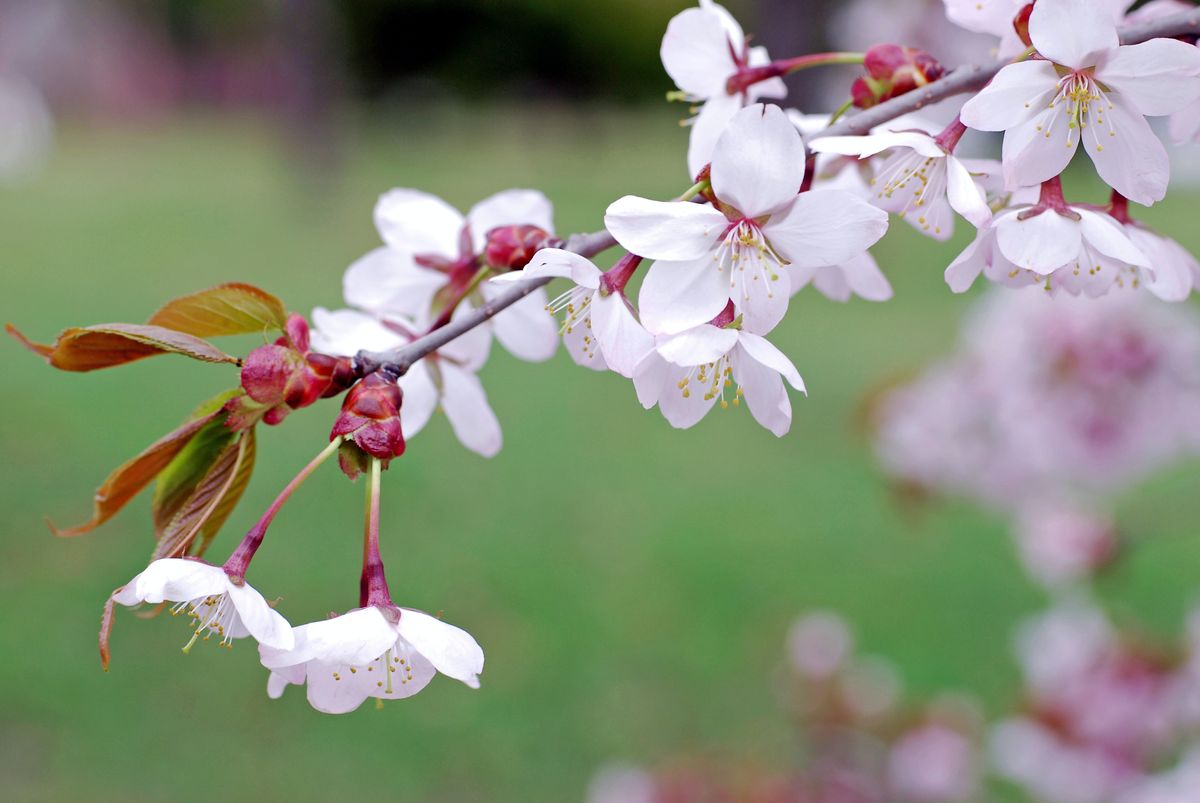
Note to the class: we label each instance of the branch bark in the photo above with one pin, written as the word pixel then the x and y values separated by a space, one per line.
pixel 969 78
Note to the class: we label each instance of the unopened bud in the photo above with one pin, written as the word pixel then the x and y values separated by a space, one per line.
pixel 285 376
pixel 511 247
pixel 893 71
pixel 370 420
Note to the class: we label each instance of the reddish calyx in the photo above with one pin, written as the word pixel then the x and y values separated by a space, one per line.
pixel 370 423
pixel 893 71
pixel 511 247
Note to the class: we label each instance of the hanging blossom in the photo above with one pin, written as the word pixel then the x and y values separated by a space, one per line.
pixel 688 373
pixel 432 258
pixel 377 650
pixel 1087 88
pixel 702 50
pixel 1062 246
pixel 738 249
pixel 443 380
pixel 380 651
pixel 921 181
pixel 599 327
pixel 1174 271
pixel 217 602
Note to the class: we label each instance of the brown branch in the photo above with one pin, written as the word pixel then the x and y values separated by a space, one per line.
pixel 972 78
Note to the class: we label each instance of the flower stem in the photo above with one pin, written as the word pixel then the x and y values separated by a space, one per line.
pixel 373 587
pixel 615 278
pixel 239 561
pixel 948 139
pixel 747 77
pixel 447 312
pixel 694 190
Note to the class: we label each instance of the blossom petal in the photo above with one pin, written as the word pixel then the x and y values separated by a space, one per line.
pixel 964 194
pixel 556 263
pixel 353 639
pixel 1038 149
pixel 420 399
pixel 332 692
pixel 758 164
pixel 261 621
pixel 345 332
pixel 679 295
pixel 967 266
pixel 1011 97
pixel 1042 243
pixel 387 280
pixel 524 328
pixel 1156 77
pixel 865 278
pixel 696 54
pixel 774 88
pixel 623 341
pixel 468 411
pixel 279 679
pixel 650 379
pixel 697 346
pixel 1174 267
pixel 451 650
pixel 1109 238
pixel 1128 154
pixel 178 580
pixel 761 290
pixel 764 393
pixel 670 230
pixel 683 400
pixel 825 227
pixel 418 222
pixel 873 144
pixel 707 127
pixel 982 16
pixel 764 352
pixel 509 208
pixel 1071 32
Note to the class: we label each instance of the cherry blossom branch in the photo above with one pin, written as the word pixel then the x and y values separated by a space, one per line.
pixel 973 77
pixel 970 78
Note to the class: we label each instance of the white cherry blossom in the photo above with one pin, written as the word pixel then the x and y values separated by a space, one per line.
pixel 431 251
pixel 688 373
pixel 707 256
pixel 216 603
pixel 702 49
pixel 445 379
pixel 378 651
pixel 1089 89
pixel 1074 249
pixel 599 327
pixel 921 180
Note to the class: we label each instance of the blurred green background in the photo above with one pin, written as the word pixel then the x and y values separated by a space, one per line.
pixel 631 584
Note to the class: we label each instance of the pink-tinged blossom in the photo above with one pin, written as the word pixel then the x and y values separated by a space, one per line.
pixel 1075 249
pixel 702 49
pixel 819 644
pixel 934 763
pixel 215 603
pixel 431 254
pixel 1061 543
pixel 443 380
pixel 920 180
pixel 599 327
pixel 1049 398
pixel 378 651
pixel 1087 88
pixel 1174 272
pixel 706 256
pixel 991 17
pixel 26 129
pixel 687 373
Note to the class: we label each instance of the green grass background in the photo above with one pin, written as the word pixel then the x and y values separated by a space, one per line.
pixel 631 584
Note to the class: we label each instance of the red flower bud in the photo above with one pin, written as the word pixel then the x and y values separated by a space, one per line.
pixel 892 71
pixel 370 417
pixel 511 247
pixel 285 376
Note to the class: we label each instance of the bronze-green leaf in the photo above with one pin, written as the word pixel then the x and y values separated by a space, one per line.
pixel 206 498
pixel 233 495
pixel 136 473
pixel 227 309
pixel 179 479
pixel 106 345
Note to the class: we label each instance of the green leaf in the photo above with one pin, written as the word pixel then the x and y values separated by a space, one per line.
pixel 215 494
pixel 227 309
pixel 106 345
pixel 233 495
pixel 177 482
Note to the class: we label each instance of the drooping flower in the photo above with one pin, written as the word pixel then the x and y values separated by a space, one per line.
pixel 377 651
pixel 1087 88
pixel 432 255
pixel 921 181
pixel 216 602
pixel 599 327
pixel 1062 246
pixel 687 373
pixel 702 50
pixel 445 378
pixel 736 251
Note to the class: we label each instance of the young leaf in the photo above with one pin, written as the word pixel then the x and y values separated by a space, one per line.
pixel 135 474
pixel 106 345
pixel 233 495
pixel 227 309
pixel 178 481
pixel 207 497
